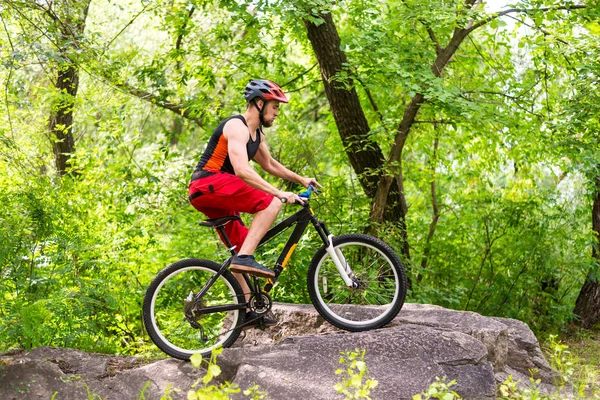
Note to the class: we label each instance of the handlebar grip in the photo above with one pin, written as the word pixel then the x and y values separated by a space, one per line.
pixel 309 190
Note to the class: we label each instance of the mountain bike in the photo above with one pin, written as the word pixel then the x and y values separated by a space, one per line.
pixel 356 282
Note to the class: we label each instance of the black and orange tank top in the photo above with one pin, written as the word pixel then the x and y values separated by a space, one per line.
pixel 216 157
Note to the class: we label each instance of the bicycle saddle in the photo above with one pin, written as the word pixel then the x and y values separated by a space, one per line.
pixel 211 223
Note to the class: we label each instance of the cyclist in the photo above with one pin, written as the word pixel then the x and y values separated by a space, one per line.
pixel 224 184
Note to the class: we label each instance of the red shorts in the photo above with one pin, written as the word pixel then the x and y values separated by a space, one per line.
pixel 223 195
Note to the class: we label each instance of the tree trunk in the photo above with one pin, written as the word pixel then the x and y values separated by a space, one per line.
pixel 70 24
pixel 365 155
pixel 587 306
pixel 176 131
pixel 435 208
pixel 408 119
pixel 61 120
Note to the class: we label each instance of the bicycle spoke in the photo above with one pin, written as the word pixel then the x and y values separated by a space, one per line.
pixel 182 325
pixel 376 284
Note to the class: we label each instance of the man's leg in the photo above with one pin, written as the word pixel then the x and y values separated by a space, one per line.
pixel 248 200
pixel 236 231
pixel 228 192
pixel 261 223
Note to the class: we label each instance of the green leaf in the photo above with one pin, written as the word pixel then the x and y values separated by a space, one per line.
pixel 593 27
pixel 196 360
pixel 361 365
pixel 191 395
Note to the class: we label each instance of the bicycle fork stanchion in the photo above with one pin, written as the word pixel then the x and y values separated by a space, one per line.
pixel 339 261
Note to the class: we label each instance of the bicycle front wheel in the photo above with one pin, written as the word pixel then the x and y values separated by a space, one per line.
pixel 182 326
pixel 378 275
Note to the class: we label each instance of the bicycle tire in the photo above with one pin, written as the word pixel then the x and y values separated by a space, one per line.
pixel 382 290
pixel 166 297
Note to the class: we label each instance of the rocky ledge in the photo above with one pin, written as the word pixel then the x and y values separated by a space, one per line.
pixel 297 359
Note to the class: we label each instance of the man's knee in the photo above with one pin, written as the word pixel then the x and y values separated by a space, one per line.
pixel 276 205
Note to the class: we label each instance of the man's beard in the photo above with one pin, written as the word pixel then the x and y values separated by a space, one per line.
pixel 268 123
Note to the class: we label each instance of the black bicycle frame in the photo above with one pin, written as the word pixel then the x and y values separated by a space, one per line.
pixel 302 219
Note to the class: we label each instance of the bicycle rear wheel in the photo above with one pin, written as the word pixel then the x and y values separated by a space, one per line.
pixel 176 322
pixel 378 273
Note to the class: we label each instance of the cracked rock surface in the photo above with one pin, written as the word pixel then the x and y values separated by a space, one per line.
pixel 297 359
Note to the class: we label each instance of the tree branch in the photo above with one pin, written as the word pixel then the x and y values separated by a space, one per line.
pixel 545 32
pixel 300 76
pixel 435 208
pixel 443 58
pixel 471 3
pixel 180 37
pixel 522 10
pixel 8 79
pixel 180 109
pixel 110 42
pixel 371 99
pixel 434 121
pixel 515 99
pixel 430 32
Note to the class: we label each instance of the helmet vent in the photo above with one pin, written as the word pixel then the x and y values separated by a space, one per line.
pixel 264 89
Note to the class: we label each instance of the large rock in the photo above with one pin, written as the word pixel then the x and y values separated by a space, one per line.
pixel 404 359
pixel 74 374
pixel 298 358
pixel 510 344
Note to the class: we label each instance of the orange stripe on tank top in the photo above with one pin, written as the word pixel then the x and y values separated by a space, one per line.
pixel 218 156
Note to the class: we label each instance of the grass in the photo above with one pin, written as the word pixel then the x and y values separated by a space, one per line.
pixel 584 346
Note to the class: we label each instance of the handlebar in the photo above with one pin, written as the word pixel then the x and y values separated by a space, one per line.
pixel 304 195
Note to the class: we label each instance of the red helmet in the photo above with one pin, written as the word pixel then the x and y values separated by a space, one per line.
pixel 264 89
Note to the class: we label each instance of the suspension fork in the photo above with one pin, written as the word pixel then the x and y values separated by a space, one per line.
pixel 336 255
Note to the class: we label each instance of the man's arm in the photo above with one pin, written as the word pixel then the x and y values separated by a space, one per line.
pixel 236 134
pixel 269 164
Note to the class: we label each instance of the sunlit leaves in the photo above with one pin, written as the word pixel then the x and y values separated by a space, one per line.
pixel 514 113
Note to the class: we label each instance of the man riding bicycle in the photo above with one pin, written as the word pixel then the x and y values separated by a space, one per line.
pixel 224 184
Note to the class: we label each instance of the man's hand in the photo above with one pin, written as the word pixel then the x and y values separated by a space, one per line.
pixel 307 181
pixel 290 198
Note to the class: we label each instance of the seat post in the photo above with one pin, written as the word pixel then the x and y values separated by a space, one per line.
pixel 230 247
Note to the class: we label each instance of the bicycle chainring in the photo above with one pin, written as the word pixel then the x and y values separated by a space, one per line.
pixel 261 303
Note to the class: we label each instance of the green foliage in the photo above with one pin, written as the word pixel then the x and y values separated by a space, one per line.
pixel 508 134
pixel 356 382
pixel 575 377
pixel 510 389
pixel 205 388
pixel 208 391
pixel 574 380
pixel 440 389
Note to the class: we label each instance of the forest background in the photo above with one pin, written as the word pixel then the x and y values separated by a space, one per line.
pixel 464 134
